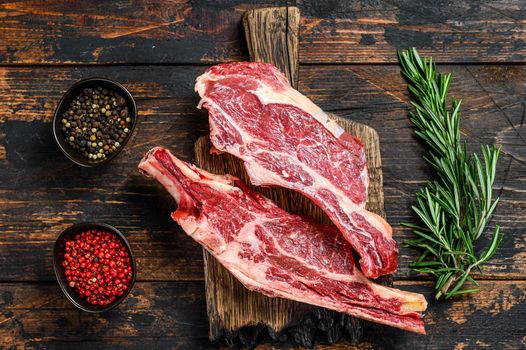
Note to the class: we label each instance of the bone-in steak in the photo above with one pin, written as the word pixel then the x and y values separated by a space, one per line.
pixel 274 252
pixel 286 140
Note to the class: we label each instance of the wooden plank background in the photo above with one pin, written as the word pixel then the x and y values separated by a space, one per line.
pixel 208 31
pixel 156 49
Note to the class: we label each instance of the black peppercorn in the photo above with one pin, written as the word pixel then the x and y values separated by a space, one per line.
pixel 96 123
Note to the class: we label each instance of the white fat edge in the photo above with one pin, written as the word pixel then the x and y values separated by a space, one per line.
pixel 200 87
pixel 200 82
pixel 267 95
pixel 201 102
pixel 364 176
pixel 260 176
pixel 247 274
pixel 323 183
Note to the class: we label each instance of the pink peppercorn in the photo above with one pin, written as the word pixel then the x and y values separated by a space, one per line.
pixel 97 266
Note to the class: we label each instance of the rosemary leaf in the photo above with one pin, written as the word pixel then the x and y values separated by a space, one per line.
pixel 456 207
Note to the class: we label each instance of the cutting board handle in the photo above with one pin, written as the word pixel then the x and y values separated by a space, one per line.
pixel 272 37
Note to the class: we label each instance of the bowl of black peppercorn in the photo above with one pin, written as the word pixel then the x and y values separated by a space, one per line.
pixel 94 120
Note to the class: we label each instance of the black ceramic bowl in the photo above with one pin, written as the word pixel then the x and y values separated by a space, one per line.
pixel 63 105
pixel 58 256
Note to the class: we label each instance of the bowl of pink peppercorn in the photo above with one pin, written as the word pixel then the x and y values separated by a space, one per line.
pixel 94 266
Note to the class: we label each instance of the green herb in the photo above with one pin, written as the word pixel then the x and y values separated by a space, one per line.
pixel 457 205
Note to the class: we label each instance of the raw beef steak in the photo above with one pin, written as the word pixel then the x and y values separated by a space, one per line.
pixel 286 140
pixel 274 252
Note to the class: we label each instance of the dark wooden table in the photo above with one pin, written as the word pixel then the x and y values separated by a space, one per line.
pixel 157 48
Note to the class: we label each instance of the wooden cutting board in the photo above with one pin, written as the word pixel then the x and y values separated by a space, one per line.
pixel 244 317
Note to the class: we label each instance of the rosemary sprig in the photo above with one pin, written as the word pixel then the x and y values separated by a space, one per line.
pixel 457 205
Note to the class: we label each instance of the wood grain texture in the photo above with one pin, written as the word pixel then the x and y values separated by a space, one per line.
pixel 173 316
pixel 208 31
pixel 230 305
pixel 41 192
pixel 272 37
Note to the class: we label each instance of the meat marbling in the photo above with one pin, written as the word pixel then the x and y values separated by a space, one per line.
pixel 286 140
pixel 274 252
